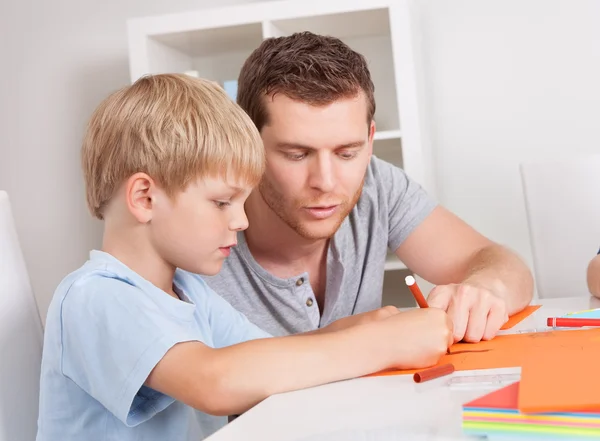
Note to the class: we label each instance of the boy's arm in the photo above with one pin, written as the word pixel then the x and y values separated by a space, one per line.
pixel 593 276
pixel 358 319
pixel 230 380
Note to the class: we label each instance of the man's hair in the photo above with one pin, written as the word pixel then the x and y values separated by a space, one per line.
pixel 304 66
pixel 173 127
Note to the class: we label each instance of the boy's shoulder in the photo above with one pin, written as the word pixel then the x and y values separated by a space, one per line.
pixel 103 279
pixel 104 283
pixel 101 275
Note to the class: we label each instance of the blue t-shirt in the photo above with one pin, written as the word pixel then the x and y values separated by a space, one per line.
pixel 106 330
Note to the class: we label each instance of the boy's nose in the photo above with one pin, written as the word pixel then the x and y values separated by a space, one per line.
pixel 239 221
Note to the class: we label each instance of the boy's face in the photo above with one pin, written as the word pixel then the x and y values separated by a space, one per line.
pixel 195 229
pixel 316 162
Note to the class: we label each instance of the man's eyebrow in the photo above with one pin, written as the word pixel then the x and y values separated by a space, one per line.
pixel 293 145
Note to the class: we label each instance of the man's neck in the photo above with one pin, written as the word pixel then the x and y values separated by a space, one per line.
pixel 273 243
pixel 131 247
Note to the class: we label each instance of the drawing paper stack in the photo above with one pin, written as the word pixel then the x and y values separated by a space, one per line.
pixel 558 395
pixel 497 413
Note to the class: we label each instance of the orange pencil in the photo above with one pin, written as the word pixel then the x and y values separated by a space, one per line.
pixel 416 292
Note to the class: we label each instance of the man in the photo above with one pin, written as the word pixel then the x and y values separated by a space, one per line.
pixel 326 211
pixel 593 275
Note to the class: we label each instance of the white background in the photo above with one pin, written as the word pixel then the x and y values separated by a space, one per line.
pixel 506 81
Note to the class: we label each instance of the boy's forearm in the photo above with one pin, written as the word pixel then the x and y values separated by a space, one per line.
pixel 252 371
pixel 506 273
pixel 593 276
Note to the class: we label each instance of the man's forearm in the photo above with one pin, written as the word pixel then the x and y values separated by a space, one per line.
pixel 504 273
pixel 593 276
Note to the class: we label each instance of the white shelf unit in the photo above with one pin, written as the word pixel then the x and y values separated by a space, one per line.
pixel 216 42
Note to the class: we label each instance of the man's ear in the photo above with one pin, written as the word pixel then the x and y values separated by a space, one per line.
pixel 139 192
pixel 371 136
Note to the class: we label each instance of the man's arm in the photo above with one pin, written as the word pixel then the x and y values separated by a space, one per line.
pixel 230 380
pixel 468 268
pixel 593 276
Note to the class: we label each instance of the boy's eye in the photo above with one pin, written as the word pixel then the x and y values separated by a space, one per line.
pixel 222 204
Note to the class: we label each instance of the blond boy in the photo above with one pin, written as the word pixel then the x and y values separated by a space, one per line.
pixel 135 339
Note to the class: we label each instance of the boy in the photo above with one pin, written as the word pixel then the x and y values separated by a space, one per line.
pixel 135 338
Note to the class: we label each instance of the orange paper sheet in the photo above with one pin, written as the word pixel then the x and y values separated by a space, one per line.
pixel 561 378
pixel 512 350
pixel 520 316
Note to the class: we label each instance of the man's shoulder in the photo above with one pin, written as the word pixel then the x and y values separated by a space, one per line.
pixel 382 181
pixel 382 174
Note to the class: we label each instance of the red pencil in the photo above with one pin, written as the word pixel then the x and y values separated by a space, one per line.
pixel 434 372
pixel 416 292
pixel 564 322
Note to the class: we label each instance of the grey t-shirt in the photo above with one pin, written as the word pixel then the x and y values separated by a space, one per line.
pixel 390 207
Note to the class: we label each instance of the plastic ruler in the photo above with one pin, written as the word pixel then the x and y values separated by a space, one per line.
pixel 484 378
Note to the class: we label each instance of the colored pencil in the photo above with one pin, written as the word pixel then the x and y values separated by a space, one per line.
pixel 569 322
pixel 416 292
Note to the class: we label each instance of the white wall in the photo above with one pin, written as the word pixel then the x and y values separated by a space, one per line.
pixel 59 59
pixel 506 80
pixel 510 81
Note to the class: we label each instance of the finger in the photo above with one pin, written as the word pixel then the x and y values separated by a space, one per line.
pixel 496 318
pixel 458 310
pixel 478 315
pixel 450 325
pixel 385 312
pixel 440 296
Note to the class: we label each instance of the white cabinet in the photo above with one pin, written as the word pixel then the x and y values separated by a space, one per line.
pixel 216 42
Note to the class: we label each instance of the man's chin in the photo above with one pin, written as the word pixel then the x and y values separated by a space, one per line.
pixel 316 230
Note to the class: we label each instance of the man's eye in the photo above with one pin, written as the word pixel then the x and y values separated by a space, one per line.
pixel 296 156
pixel 347 155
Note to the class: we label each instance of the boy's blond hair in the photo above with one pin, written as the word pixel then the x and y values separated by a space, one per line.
pixel 173 127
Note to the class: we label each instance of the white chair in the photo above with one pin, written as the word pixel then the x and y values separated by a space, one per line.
pixel 562 200
pixel 21 337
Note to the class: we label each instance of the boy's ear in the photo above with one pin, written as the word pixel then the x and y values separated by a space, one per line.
pixel 139 193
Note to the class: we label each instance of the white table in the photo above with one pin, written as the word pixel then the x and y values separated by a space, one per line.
pixel 376 408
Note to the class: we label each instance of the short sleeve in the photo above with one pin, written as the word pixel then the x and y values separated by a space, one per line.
pixel 408 203
pixel 113 335
pixel 228 325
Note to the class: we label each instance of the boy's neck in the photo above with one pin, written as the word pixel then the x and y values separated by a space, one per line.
pixel 132 248
pixel 270 239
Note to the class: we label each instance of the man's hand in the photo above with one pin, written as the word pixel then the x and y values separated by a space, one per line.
pixel 476 312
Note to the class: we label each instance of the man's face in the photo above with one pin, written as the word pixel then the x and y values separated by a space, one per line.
pixel 316 161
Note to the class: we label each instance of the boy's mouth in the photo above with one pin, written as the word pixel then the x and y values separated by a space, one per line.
pixel 226 250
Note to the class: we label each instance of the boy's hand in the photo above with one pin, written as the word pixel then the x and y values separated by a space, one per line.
pixel 476 312
pixel 417 338
pixel 363 318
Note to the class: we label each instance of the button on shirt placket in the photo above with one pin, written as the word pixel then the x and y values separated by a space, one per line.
pixel 306 296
